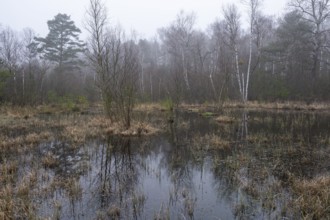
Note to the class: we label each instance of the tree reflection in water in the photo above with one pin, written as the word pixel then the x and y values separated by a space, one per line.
pixel 201 169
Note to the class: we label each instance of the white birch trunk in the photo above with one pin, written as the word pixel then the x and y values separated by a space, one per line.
pixel 23 82
pixel 249 67
pixel 151 89
pixel 238 76
pixel 142 74
pixel 185 71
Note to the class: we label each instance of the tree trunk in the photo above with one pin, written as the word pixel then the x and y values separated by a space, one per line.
pixel 238 76
pixel 249 68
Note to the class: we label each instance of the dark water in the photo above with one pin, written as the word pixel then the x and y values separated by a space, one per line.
pixel 183 174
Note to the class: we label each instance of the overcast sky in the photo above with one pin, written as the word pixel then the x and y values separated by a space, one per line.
pixel 144 16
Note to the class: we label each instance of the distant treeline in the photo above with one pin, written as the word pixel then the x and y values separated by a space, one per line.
pixel 270 60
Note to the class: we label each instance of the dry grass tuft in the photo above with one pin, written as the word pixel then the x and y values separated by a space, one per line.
pixel 23 189
pixel 280 105
pixel 140 129
pixel 8 143
pixel 148 107
pixel 289 105
pixel 211 142
pixel 313 200
pixel 7 203
pixel 136 129
pixel 17 111
pixel 77 134
pixel 9 168
pixel 34 138
pixel 225 119
pixel 114 212
pixel 258 138
pixel 49 161
pixel 216 142
pixel 73 188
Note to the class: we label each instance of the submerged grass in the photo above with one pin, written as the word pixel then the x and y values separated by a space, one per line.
pixel 210 142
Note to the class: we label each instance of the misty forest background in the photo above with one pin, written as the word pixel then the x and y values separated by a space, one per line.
pixel 267 59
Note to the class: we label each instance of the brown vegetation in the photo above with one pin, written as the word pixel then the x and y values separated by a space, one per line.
pixel 292 105
pixel 313 197
pixel 224 119
pixel 299 106
pixel 264 180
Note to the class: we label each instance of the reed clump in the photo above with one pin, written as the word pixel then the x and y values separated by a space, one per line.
pixel 224 119
pixel 211 142
pixel 114 212
pixel 73 188
pixel 313 197
pixel 49 161
pixel 149 107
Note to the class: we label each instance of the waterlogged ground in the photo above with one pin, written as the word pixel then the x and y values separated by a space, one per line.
pixel 216 165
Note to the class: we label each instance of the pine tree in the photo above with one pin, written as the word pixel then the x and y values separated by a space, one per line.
pixel 62 45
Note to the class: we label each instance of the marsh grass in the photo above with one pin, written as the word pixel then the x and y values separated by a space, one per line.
pixel 163 213
pixel 149 107
pixel 49 161
pixel 7 203
pixel 258 138
pixel 313 197
pixel 70 185
pixel 114 212
pixel 138 201
pixel 16 202
pixel 224 119
pixel 273 169
pixel 57 210
pixel 8 172
pixel 189 204
pixel 73 188
pixel 279 105
pixel 17 133
pixel 210 142
pixel 293 105
pixel 36 138
pixel 207 114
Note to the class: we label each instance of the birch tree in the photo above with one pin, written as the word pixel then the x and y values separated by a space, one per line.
pixel 232 32
pixel 177 38
pixel 253 9
pixel 232 20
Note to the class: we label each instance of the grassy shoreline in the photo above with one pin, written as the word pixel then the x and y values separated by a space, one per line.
pixel 152 106
pixel 295 106
pixel 251 105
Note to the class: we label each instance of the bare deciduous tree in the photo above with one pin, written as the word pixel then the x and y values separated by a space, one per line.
pixel 253 9
pixel 116 63
pixel 316 12
pixel 10 55
pixel 232 31
pixel 232 20
pixel 177 39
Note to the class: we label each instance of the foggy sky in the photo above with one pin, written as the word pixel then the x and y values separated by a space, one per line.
pixel 144 16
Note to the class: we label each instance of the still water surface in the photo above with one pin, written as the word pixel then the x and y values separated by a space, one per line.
pixel 197 169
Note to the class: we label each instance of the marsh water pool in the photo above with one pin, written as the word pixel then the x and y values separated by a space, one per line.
pixel 197 168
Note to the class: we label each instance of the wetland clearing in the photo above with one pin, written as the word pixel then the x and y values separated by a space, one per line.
pixel 182 164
